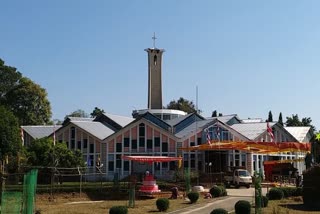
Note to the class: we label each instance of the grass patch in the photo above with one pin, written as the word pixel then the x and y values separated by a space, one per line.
pixel 61 203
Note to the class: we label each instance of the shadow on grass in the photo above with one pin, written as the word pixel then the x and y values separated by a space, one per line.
pixel 300 207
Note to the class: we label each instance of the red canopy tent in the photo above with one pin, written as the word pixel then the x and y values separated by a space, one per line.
pixel 150 159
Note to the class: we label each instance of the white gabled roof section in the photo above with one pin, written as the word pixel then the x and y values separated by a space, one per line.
pixel 96 129
pixel 251 130
pixel 121 120
pixel 299 132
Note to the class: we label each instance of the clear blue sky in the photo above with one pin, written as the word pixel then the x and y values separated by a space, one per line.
pixel 246 57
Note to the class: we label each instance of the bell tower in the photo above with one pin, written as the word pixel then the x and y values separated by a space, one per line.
pixel 154 76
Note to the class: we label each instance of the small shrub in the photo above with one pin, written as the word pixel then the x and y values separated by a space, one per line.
pixel 219 211
pixel 215 191
pixel 118 210
pixel 298 192
pixel 242 207
pixel 265 201
pixel 275 194
pixel 288 191
pixel 193 196
pixel 162 204
pixel 223 191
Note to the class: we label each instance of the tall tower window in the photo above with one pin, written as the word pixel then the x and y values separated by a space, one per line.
pixel 155 59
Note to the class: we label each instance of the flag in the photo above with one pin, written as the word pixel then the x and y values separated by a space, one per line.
pixel 208 136
pixel 269 130
pixel 22 135
pixel 218 133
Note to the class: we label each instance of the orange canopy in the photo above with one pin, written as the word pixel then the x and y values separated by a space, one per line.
pixel 250 146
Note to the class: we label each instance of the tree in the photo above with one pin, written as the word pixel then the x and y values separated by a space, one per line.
pixel 182 105
pixel 96 112
pixel 280 119
pixel 214 113
pixel 42 152
pixel 26 99
pixel 10 140
pixel 77 113
pixel 270 118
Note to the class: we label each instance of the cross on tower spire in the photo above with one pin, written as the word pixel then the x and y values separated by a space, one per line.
pixel 154 39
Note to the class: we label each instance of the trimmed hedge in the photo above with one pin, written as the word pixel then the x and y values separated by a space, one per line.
pixel 219 211
pixel 265 201
pixel 215 191
pixel 275 194
pixel 118 210
pixel 242 207
pixel 223 191
pixel 162 204
pixel 193 196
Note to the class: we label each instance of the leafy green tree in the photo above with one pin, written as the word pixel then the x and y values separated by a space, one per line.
pixel 96 112
pixel 10 139
pixel 42 152
pixel 26 99
pixel 77 113
pixel 295 121
pixel 270 117
pixel 214 113
pixel 280 119
pixel 182 105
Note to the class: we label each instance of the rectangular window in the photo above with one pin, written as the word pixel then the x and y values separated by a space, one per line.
pixel 141 141
pixel 192 143
pixel 199 139
pixel 185 164
pixel 149 144
pixel 126 142
pixel 164 147
pixel 126 165
pixel 72 144
pixel 165 165
pixel 91 148
pixel 79 145
pixel 111 165
pixel 118 164
pixel 142 130
pixel 157 141
pixel 73 132
pixel 85 143
pixel 134 144
pixel 172 165
pixel 193 163
pixel 157 166
pixel 67 143
pixel 119 147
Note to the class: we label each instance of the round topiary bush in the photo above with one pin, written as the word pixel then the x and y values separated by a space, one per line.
pixel 215 191
pixel 193 196
pixel 118 210
pixel 242 207
pixel 275 194
pixel 223 191
pixel 162 204
pixel 264 201
pixel 219 211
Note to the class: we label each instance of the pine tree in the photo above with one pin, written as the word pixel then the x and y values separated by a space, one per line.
pixel 270 119
pixel 280 119
pixel 214 113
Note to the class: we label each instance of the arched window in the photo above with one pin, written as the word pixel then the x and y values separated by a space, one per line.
pixel 155 59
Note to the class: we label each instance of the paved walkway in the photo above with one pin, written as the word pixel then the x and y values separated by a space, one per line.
pixel 226 203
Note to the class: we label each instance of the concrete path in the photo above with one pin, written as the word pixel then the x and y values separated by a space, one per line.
pixel 226 203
